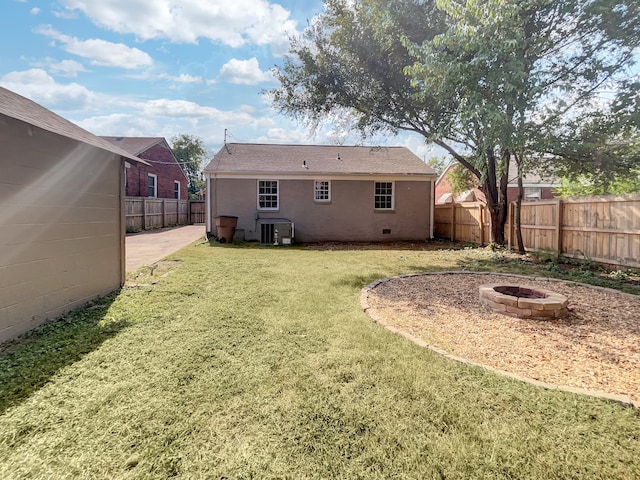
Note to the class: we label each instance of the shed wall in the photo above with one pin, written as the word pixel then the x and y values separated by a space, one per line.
pixel 61 240
pixel 349 216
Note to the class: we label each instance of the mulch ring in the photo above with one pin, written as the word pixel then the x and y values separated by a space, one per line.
pixel 595 350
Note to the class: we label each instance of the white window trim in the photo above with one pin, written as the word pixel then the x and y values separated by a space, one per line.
pixel 528 193
pixel 175 182
pixel 268 209
pixel 393 196
pixel 155 185
pixel 315 191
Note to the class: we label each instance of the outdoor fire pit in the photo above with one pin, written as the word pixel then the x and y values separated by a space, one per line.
pixel 523 302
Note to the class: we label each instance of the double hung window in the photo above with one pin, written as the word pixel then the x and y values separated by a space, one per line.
pixel 383 196
pixel 268 196
pixel 152 190
pixel 322 191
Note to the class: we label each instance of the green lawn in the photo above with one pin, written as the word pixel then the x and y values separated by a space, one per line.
pixel 244 362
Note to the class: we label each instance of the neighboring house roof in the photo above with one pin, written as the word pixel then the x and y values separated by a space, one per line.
pixel 135 145
pixel 530 179
pixel 21 108
pixel 139 145
pixel 248 158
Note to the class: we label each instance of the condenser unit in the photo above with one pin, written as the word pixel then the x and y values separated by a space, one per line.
pixel 276 233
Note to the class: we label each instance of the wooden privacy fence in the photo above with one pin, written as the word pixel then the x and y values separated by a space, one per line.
pixel 148 213
pixel 463 222
pixel 602 229
pixel 197 213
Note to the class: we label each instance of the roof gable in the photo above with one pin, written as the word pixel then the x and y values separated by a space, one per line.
pixel 135 145
pixel 243 158
pixel 141 146
pixel 20 108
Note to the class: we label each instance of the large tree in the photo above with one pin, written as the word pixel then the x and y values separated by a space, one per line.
pixel 483 79
pixel 598 153
pixel 190 152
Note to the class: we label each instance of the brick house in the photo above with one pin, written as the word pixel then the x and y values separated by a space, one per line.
pixel 162 178
pixel 535 187
pixel 323 192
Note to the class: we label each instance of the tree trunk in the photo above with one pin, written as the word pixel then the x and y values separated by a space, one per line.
pixel 494 188
pixel 517 219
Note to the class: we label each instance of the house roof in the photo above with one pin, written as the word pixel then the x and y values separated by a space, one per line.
pixel 248 158
pixel 20 108
pixel 135 145
pixel 529 179
pixel 139 145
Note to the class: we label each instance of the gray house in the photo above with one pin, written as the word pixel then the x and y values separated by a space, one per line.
pixel 62 218
pixel 319 193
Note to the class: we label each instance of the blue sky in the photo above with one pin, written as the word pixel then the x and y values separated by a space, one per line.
pixel 163 67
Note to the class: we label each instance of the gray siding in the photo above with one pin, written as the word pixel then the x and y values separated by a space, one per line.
pixel 61 238
pixel 350 216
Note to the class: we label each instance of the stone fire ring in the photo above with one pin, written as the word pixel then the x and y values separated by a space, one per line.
pixel 523 302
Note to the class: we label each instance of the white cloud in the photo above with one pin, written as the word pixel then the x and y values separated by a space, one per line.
pixel 182 78
pixel 120 124
pixel 235 23
pixel 284 135
pixel 100 52
pixel 167 118
pixel 35 11
pixel 64 14
pixel 64 68
pixel 244 72
pixel 39 86
pixel 171 109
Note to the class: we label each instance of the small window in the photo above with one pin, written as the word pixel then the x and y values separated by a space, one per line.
pixel 176 190
pixel 153 186
pixel 383 197
pixel 322 191
pixel 267 194
pixel 532 193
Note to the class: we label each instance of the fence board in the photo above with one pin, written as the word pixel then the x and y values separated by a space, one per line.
pixel 462 222
pixel 143 213
pixel 197 211
pixel 602 229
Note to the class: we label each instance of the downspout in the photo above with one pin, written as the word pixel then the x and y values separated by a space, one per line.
pixel 433 208
pixel 208 197
pixel 123 221
pixel 211 212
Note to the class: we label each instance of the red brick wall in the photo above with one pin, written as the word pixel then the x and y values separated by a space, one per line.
pixel 512 192
pixel 165 166
pixel 546 193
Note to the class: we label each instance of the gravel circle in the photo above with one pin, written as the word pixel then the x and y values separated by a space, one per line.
pixel 593 350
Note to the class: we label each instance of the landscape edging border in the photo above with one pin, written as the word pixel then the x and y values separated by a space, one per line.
pixel 364 303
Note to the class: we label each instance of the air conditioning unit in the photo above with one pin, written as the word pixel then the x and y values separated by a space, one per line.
pixel 277 233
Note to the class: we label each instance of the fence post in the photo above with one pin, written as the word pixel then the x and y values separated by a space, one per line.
pixel 481 221
pixel 144 213
pixel 559 214
pixel 164 212
pixel 453 222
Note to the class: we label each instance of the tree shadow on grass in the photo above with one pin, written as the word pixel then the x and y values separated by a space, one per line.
pixel 359 281
pixel 29 361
